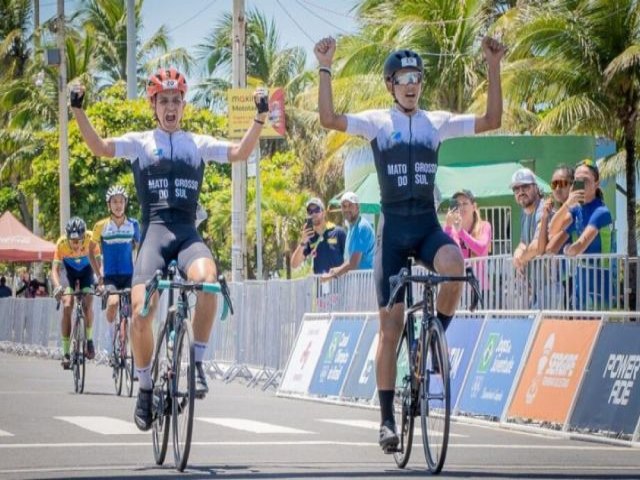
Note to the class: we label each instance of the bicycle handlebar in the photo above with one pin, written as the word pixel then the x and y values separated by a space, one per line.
pixel 76 293
pixel 431 280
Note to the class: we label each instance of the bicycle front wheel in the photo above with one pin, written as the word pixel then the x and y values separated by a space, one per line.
pixel 161 416
pixel 77 352
pixel 435 397
pixel 403 403
pixel 127 357
pixel 183 394
pixel 119 352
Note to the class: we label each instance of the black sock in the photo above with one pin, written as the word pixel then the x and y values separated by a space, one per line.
pixel 445 320
pixel 386 406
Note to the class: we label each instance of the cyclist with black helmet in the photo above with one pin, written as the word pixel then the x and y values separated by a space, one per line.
pixel 73 251
pixel 117 238
pixel 168 167
pixel 405 141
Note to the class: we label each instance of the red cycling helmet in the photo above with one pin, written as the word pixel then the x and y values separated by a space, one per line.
pixel 164 79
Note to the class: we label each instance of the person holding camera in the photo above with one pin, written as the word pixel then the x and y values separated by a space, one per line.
pixel 323 241
pixel 464 225
pixel 168 169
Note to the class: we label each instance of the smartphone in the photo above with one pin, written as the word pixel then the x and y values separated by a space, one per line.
pixel 453 207
pixel 578 185
pixel 309 224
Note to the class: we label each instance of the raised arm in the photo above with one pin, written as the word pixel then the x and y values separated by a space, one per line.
pixel 493 52
pixel 324 51
pixel 99 146
pixel 240 151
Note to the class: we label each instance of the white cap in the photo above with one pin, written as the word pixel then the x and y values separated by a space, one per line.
pixel 349 197
pixel 524 176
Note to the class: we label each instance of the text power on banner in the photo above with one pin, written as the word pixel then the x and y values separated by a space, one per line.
pixel 242 111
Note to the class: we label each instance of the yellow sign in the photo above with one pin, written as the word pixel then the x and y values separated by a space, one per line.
pixel 242 111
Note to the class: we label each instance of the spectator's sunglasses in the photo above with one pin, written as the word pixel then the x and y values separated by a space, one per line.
pixel 407 78
pixel 555 184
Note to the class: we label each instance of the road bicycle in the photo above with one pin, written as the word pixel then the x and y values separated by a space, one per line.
pixel 173 367
pixel 423 383
pixel 122 359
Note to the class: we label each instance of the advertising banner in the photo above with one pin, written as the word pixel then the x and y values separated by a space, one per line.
pixel 497 359
pixel 302 362
pixel 610 395
pixel 242 111
pixel 462 336
pixel 554 369
pixel 337 354
pixel 361 380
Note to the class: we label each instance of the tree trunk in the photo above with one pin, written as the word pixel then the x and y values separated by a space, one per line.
pixel 630 170
pixel 27 219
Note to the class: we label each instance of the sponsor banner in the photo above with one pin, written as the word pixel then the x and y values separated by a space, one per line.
pixel 361 381
pixel 242 111
pixel 462 336
pixel 610 395
pixel 297 375
pixel 337 354
pixel 554 369
pixel 497 359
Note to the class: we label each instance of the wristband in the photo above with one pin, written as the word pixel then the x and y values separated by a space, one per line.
pixel 325 70
pixel 261 122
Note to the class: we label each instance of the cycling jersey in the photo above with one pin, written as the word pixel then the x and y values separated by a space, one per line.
pixel 73 261
pixel 168 169
pixel 116 245
pixel 405 151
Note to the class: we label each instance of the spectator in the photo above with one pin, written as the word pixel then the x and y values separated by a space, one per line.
pixel 27 286
pixel 4 290
pixel 561 182
pixel 321 240
pixel 528 196
pixel 464 225
pixel 361 239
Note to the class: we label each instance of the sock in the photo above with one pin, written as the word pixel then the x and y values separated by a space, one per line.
pixel 89 333
pixel 199 348
pixel 386 406
pixel 111 331
pixel 66 345
pixel 144 377
pixel 445 320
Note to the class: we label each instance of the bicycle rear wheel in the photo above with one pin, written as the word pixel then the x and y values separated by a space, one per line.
pixel 403 402
pixel 435 397
pixel 161 416
pixel 77 352
pixel 184 390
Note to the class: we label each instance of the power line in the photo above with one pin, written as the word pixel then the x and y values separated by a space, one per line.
pixel 302 30
pixel 207 6
pixel 322 18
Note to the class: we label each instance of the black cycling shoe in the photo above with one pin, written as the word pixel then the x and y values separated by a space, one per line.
pixel 66 362
pixel 91 351
pixel 201 381
pixel 142 415
pixel 388 438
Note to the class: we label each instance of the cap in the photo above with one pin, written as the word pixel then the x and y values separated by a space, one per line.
pixel 524 176
pixel 315 201
pixel 349 197
pixel 466 193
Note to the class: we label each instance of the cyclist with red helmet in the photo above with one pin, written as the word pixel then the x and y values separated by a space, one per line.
pixel 168 167
pixel 405 141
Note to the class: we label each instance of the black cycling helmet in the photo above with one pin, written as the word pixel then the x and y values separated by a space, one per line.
pixel 116 190
pixel 402 59
pixel 75 228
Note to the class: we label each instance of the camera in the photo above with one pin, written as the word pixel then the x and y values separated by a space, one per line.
pixel 454 206
pixel 309 224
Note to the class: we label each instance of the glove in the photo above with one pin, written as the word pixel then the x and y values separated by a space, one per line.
pixel 76 97
pixel 57 293
pixel 262 100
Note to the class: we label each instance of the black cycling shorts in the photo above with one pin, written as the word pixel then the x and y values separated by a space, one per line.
pixel 400 237
pixel 117 282
pixel 84 277
pixel 160 244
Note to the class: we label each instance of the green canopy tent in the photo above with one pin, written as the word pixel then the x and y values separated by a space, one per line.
pixel 485 182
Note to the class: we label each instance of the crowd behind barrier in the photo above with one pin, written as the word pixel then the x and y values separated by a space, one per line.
pixel 260 335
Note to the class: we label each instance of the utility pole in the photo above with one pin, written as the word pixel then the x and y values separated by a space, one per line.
pixel 131 50
pixel 36 44
pixel 63 120
pixel 238 169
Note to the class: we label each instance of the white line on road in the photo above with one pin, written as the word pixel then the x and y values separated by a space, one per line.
pixel 371 425
pixel 5 434
pixel 103 425
pixel 251 425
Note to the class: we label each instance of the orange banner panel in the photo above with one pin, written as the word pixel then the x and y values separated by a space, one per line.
pixel 554 369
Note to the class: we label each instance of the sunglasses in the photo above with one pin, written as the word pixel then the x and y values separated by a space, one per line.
pixel 555 184
pixel 311 211
pixel 523 188
pixel 407 78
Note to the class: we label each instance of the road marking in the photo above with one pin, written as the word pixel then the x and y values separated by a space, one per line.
pixel 104 425
pixel 252 426
pixel 5 434
pixel 371 425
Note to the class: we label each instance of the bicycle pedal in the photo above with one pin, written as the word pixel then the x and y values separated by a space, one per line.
pixel 390 450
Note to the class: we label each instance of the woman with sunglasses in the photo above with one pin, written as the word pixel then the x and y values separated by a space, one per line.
pixel 561 182
pixel 405 141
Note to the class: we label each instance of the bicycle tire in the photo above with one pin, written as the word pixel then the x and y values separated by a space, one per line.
pixel 118 359
pixel 183 395
pixel 435 397
pixel 78 355
pixel 161 420
pixel 129 366
pixel 403 400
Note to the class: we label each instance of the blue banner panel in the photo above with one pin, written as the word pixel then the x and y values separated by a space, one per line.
pixel 494 366
pixel 337 354
pixel 610 395
pixel 361 381
pixel 462 336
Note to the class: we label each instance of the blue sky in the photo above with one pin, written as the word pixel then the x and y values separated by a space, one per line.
pixel 300 22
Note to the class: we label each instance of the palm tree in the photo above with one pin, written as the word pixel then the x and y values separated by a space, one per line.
pixel 14 37
pixel 575 63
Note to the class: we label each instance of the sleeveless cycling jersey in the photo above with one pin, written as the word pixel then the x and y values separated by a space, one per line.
pixel 405 151
pixel 116 245
pixel 168 169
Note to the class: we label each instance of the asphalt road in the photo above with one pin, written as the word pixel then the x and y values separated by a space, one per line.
pixel 47 431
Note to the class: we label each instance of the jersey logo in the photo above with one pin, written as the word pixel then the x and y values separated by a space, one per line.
pixel 157 152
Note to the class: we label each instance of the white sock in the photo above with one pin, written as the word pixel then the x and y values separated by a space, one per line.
pixel 200 348
pixel 144 377
pixel 111 331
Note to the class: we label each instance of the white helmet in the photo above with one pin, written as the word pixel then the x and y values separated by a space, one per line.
pixel 116 190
